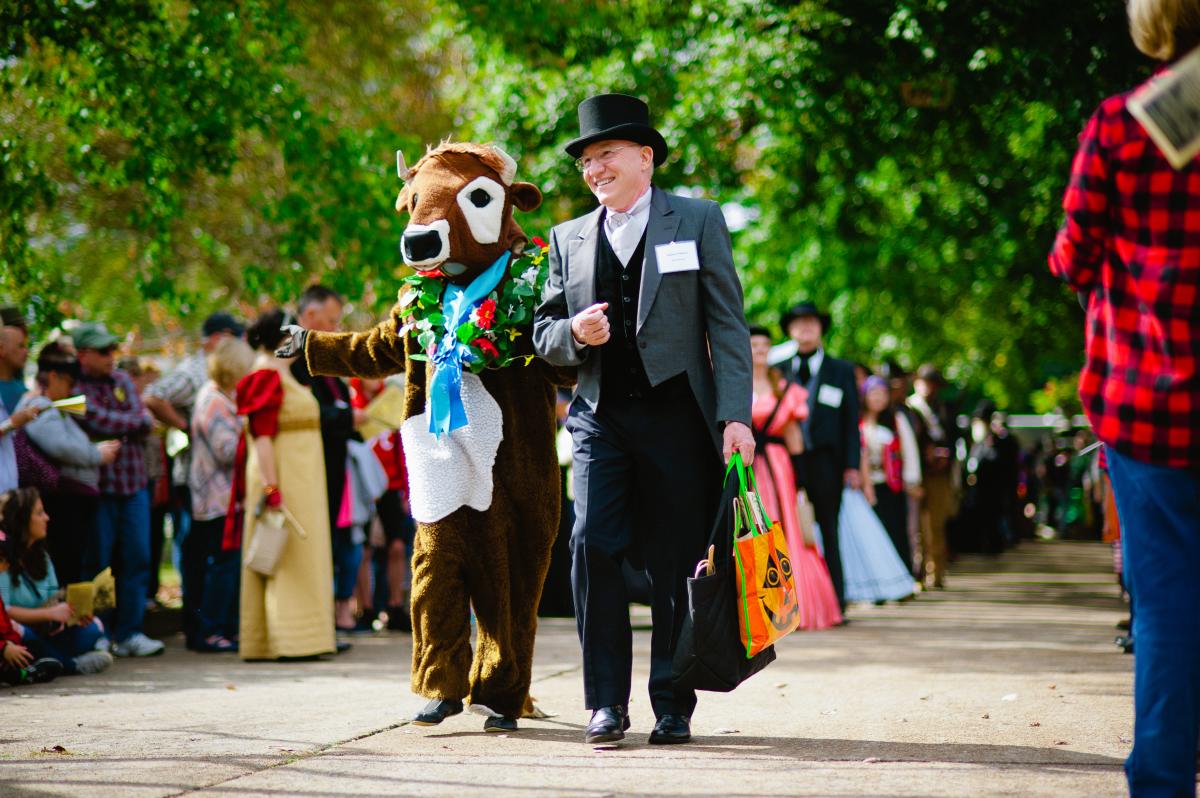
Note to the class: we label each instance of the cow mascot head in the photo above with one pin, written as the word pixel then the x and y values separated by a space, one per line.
pixel 460 198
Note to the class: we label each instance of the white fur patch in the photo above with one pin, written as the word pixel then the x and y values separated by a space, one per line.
pixel 455 470
pixel 485 222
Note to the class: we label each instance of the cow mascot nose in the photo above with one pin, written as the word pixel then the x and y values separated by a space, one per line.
pixel 420 245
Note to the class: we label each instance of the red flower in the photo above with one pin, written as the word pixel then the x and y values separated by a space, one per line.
pixel 540 242
pixel 485 314
pixel 486 346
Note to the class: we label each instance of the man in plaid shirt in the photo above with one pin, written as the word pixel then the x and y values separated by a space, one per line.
pixel 1130 249
pixel 114 410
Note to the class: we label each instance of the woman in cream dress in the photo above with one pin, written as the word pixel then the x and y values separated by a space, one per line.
pixel 288 614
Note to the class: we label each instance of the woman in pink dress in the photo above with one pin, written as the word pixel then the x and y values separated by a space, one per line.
pixel 779 409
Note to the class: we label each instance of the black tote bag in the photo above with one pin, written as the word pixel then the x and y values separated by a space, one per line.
pixel 710 654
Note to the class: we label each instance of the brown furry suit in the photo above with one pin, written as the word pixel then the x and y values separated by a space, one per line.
pixel 493 560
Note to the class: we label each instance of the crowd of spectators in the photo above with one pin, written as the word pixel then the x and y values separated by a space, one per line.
pixel 230 430
pixel 202 450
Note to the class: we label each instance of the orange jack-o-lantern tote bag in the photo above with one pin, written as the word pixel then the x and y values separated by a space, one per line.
pixel 769 606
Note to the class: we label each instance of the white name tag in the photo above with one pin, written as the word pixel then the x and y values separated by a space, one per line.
pixel 829 395
pixel 678 256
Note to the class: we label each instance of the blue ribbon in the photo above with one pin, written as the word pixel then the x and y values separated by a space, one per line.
pixel 446 412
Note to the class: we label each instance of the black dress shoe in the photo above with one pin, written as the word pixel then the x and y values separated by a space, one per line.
pixel 608 725
pixel 436 711
pixel 671 729
pixel 499 723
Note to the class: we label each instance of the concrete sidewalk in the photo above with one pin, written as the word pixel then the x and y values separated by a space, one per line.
pixel 1006 684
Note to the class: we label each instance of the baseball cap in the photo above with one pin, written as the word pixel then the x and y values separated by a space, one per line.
pixel 92 335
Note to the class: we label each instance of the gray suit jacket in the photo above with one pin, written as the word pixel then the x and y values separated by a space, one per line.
pixel 690 321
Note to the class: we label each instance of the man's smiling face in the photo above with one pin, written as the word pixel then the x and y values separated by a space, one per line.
pixel 617 171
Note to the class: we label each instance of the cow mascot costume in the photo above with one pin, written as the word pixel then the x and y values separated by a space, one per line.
pixel 478 431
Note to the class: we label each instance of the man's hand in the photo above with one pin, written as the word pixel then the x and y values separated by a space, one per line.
pixel 738 438
pixel 293 345
pixel 108 451
pixel 590 326
pixel 853 479
pixel 23 416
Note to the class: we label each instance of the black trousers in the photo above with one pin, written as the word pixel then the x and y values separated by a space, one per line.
pixel 72 527
pixel 647 477
pixel 823 481
pixel 892 508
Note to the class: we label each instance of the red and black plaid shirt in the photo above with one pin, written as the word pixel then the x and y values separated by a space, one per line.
pixel 114 410
pixel 1131 247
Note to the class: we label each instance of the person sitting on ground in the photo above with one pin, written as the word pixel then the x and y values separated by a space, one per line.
pixel 19 665
pixel 56 434
pixel 30 590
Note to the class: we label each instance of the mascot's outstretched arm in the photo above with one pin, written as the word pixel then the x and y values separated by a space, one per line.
pixel 376 353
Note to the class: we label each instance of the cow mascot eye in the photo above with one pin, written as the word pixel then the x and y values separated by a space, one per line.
pixel 482 205
pixel 480 198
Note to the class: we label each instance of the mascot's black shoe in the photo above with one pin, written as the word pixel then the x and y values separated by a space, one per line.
pixel 436 711
pixel 499 723
pixel 608 725
pixel 671 729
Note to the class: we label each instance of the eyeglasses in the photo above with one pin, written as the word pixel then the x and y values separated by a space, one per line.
pixel 605 157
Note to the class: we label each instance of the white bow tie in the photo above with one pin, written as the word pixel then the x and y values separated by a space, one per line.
pixel 617 219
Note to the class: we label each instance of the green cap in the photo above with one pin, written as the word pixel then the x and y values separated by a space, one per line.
pixel 92 335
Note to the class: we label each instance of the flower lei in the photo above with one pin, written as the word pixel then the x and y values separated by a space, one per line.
pixel 494 325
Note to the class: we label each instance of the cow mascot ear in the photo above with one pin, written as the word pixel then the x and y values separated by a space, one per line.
pixel 402 200
pixel 526 196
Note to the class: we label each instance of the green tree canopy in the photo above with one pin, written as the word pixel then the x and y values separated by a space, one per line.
pixel 900 162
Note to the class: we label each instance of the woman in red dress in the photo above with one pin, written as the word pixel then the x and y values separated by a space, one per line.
pixel 778 410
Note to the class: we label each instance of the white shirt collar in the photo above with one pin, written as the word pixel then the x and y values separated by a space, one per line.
pixel 624 230
pixel 814 360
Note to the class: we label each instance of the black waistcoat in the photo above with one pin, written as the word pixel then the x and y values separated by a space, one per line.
pixel 622 375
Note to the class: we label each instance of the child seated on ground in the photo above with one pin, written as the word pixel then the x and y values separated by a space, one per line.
pixel 17 663
pixel 30 590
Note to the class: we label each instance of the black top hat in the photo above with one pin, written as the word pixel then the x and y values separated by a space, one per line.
pixel 616 116
pixel 805 308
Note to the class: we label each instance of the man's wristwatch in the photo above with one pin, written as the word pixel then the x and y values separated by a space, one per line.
pixel 7 426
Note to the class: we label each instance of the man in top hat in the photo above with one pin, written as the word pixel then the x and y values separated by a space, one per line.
pixel 832 449
pixel 643 297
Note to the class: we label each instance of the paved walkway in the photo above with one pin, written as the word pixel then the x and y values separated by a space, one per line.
pixel 1006 684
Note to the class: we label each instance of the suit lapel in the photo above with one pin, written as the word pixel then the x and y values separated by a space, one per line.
pixel 660 229
pixel 581 263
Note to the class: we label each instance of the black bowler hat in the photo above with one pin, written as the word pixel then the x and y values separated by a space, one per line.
pixel 616 116
pixel 802 310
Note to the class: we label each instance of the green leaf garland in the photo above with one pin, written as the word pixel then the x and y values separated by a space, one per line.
pixel 493 328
